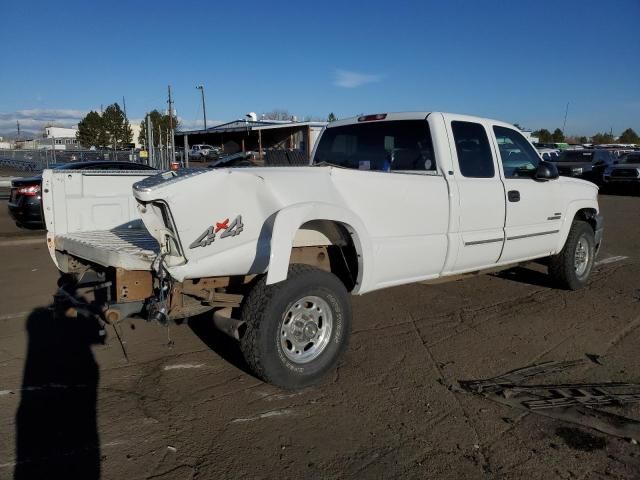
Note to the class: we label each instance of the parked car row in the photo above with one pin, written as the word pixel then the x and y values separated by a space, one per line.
pixel 598 165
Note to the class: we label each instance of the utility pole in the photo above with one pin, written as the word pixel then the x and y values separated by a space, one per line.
pixel 149 143
pixel 186 151
pixel 171 132
pixel 204 108
pixel 564 125
pixel 126 121
pixel 18 124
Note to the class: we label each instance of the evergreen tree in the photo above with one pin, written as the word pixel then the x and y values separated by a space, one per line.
pixel 558 135
pixel 91 131
pixel 117 126
pixel 544 135
pixel 161 125
pixel 629 136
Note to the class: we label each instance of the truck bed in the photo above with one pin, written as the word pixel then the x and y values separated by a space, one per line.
pixel 92 215
pixel 129 246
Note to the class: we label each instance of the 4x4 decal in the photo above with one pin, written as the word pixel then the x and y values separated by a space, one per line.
pixel 228 230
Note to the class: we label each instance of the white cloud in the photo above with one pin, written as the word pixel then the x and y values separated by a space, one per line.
pixel 349 79
pixel 37 119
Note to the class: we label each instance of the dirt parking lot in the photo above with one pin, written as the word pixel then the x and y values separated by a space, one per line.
pixel 181 405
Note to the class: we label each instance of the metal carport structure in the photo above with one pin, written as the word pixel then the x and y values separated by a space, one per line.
pixel 256 136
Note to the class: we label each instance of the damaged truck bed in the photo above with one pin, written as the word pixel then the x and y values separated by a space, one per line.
pixel 127 246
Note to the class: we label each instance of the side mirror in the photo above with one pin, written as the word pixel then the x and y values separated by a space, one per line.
pixel 546 171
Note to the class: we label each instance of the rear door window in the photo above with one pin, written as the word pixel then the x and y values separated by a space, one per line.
pixel 396 145
pixel 474 153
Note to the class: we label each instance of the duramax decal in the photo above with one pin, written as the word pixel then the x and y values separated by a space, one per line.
pixel 228 230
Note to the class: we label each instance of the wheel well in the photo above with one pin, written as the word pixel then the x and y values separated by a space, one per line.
pixel 588 215
pixel 328 245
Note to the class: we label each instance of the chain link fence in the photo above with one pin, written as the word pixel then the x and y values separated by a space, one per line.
pixel 37 160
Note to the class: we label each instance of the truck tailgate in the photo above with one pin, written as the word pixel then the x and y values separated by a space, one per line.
pixel 128 246
pixel 93 215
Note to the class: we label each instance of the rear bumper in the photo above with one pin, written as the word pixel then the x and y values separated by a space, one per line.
pixel 27 214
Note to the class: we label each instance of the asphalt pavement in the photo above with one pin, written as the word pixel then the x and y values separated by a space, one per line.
pixel 178 402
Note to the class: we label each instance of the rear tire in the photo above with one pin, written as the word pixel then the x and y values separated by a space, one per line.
pixel 571 268
pixel 296 330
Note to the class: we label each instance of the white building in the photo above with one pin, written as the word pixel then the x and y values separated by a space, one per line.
pixel 60 132
pixel 135 130
pixel 60 138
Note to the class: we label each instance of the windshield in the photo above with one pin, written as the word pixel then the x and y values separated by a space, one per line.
pixel 389 145
pixel 576 156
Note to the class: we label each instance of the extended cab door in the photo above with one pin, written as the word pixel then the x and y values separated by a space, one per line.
pixel 477 233
pixel 534 210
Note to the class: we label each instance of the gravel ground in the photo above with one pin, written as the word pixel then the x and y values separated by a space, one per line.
pixel 73 406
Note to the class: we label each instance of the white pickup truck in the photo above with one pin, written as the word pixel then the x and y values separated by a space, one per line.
pixel 387 199
pixel 201 152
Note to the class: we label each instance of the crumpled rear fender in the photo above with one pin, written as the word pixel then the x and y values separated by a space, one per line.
pixel 291 218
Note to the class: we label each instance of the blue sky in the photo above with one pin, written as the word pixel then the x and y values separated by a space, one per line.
pixel 511 60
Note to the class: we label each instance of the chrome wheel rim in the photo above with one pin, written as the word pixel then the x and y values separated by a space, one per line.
pixel 581 257
pixel 305 329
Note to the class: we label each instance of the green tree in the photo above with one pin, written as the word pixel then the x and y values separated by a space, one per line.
pixel 91 131
pixel 583 139
pixel 162 124
pixel 600 138
pixel 629 136
pixel 558 135
pixel 544 135
pixel 117 126
pixel 331 118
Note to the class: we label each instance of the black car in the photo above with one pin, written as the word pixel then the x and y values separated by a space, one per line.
pixel 25 202
pixel 586 164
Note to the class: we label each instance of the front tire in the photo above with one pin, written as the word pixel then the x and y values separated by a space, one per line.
pixel 296 330
pixel 571 268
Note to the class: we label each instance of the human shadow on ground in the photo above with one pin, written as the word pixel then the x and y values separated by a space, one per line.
pixel 56 425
